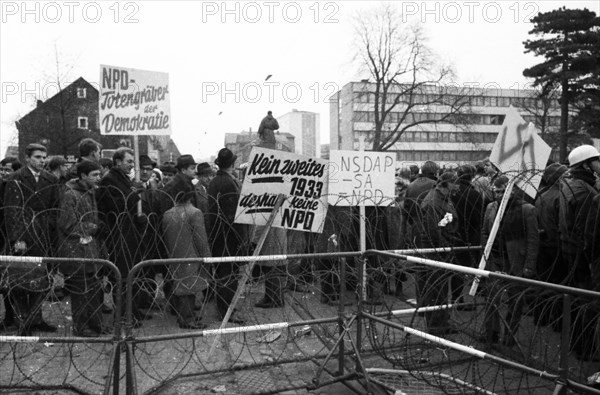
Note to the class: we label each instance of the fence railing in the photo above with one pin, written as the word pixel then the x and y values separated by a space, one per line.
pixel 311 342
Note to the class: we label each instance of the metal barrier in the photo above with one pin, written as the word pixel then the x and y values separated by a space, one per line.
pixel 38 368
pixel 350 345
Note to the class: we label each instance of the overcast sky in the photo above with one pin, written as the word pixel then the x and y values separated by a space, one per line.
pixel 210 49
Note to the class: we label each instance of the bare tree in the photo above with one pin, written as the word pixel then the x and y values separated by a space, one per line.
pixel 539 105
pixel 411 86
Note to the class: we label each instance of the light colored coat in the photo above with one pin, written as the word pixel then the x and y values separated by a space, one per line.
pixel 185 237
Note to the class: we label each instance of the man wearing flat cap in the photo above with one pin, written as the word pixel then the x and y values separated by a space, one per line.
pixel 226 237
pixel 181 183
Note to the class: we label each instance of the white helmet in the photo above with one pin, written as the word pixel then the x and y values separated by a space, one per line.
pixel 581 154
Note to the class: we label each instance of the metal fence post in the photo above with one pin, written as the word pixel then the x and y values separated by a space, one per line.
pixel 341 329
pixel 361 292
pixel 565 345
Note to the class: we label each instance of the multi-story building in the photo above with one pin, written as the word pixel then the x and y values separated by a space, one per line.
pixel 71 115
pixel 241 143
pixel 305 126
pixel 352 115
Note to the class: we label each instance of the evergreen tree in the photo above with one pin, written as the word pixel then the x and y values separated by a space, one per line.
pixel 570 44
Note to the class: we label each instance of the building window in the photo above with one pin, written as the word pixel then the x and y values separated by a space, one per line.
pixel 82 122
pixel 496 119
pixel 81 93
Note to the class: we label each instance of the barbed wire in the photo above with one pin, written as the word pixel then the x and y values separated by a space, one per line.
pixel 296 272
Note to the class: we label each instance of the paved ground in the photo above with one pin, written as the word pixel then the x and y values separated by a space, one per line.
pixel 243 363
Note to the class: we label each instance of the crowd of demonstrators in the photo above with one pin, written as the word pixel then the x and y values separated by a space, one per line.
pixel 187 210
pixel 552 238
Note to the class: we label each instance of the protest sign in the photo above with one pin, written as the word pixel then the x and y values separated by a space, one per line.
pixel 134 102
pixel 302 179
pixel 361 177
pixel 521 152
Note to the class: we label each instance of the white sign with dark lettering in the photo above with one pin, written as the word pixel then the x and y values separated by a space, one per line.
pixel 302 179
pixel 361 177
pixel 134 102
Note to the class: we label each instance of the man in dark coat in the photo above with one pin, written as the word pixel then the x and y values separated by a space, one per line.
pixel 226 237
pixel 185 237
pixel 440 229
pixel 150 234
pixel 204 173
pixel 117 205
pixel 550 265
pixel 181 183
pixel 266 130
pixel 517 245
pixel 470 207
pixel 30 208
pixel 575 207
pixel 415 193
pixel 78 227
pixel 8 166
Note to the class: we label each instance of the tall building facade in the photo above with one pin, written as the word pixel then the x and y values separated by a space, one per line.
pixel 352 116
pixel 305 126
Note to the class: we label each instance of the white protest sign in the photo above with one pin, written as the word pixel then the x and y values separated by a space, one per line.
pixel 134 102
pixel 520 150
pixel 302 179
pixel 361 177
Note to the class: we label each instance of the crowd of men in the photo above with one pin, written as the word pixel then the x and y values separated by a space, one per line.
pixel 552 237
pixel 187 210
pixel 96 210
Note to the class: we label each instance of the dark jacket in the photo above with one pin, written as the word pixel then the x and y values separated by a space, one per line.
pixel 435 233
pixel 412 222
pixel 3 238
pixel 470 207
pixel 547 204
pixel 117 205
pixel 30 211
pixel 498 248
pixel 180 184
pixel 226 237
pixel 575 200
pixel 519 231
pixel 592 242
pixel 516 244
pixel 78 220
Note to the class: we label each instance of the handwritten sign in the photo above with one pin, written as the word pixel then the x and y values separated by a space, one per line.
pixel 360 177
pixel 134 102
pixel 302 179
pixel 521 151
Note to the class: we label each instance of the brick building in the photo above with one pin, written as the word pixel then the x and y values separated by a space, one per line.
pixel 71 115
